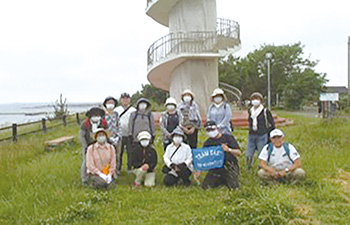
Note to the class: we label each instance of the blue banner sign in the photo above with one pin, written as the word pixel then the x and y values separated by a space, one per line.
pixel 208 158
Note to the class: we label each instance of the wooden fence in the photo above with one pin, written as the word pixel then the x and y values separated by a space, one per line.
pixel 73 118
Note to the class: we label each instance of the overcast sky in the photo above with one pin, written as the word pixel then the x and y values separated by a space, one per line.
pixel 88 50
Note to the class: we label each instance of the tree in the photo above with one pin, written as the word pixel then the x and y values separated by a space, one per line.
pixel 293 77
pixel 60 107
pixel 155 95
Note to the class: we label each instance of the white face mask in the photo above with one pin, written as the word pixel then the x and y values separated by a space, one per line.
pixel 256 102
pixel 110 106
pixel 213 133
pixel 144 143
pixel 218 99
pixel 95 119
pixel 101 139
pixel 177 140
pixel 142 106
pixel 170 107
pixel 187 98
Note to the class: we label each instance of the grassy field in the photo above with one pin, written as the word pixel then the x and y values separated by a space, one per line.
pixel 38 187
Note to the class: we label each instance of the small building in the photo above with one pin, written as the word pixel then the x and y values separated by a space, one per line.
pixel 336 89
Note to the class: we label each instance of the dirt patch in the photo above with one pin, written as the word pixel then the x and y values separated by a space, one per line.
pixel 344 180
pixel 303 222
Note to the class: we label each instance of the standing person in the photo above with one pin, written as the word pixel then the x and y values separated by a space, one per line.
pixel 100 161
pixel 169 120
pixel 95 119
pixel 141 120
pixel 280 160
pixel 124 111
pixel 261 123
pixel 113 123
pixel 220 111
pixel 191 118
pixel 228 175
pixel 144 160
pixel 178 160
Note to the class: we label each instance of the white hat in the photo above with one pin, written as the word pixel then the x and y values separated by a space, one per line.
pixel 98 130
pixel 170 100
pixel 276 132
pixel 218 91
pixel 187 92
pixel 144 135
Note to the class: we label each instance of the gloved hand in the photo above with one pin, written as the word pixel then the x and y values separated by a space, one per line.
pixel 109 178
pixel 103 176
pixel 173 166
pixel 114 140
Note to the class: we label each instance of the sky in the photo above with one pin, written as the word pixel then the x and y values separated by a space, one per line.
pixel 88 50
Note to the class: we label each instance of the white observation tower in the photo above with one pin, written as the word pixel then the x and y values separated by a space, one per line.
pixel 187 58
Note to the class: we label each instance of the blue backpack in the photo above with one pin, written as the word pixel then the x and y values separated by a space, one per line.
pixel 286 149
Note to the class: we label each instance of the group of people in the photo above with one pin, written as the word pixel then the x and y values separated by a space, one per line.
pixel 110 131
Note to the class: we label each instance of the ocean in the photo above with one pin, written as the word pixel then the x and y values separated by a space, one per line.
pixel 29 112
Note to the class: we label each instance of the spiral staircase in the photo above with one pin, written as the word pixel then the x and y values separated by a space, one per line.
pixel 168 52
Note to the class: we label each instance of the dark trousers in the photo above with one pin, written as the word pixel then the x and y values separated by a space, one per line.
pixel 227 176
pixel 184 174
pixel 192 139
pixel 126 145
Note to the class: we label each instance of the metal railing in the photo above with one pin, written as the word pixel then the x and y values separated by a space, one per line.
pixel 195 42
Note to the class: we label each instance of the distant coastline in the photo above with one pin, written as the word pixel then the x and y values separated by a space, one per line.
pixel 29 112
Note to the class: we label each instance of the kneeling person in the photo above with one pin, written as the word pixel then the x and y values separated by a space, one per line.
pixel 100 161
pixel 144 160
pixel 228 175
pixel 178 160
pixel 280 160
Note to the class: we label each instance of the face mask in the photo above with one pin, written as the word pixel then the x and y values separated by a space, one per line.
pixel 144 143
pixel 213 134
pixel 142 106
pixel 255 102
pixel 101 139
pixel 170 107
pixel 95 119
pixel 177 140
pixel 110 106
pixel 187 98
pixel 218 99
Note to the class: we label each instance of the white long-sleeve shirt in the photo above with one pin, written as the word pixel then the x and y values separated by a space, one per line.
pixel 182 155
pixel 124 120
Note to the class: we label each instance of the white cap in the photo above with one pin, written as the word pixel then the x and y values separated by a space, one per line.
pixel 144 135
pixel 276 132
pixel 170 100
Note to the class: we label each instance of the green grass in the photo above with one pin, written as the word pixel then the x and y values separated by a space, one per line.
pixel 38 187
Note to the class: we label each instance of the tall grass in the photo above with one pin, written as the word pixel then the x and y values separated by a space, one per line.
pixel 39 187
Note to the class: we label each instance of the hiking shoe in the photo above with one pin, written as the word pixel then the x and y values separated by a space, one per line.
pixel 137 185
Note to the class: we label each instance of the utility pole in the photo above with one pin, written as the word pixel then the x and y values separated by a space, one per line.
pixel 268 58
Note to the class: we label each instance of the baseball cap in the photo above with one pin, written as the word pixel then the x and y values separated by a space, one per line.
pixel 276 132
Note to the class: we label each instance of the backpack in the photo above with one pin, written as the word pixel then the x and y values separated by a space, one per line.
pixel 286 149
pixel 149 121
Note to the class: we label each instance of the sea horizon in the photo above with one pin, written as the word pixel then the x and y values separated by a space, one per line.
pixel 28 112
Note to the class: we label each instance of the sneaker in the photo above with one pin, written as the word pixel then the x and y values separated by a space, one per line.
pixel 137 185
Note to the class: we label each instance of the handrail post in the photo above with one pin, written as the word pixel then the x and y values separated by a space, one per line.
pixel 43 122
pixel 78 118
pixel 14 132
pixel 64 120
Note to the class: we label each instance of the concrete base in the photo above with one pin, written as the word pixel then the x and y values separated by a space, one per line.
pixel 198 75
